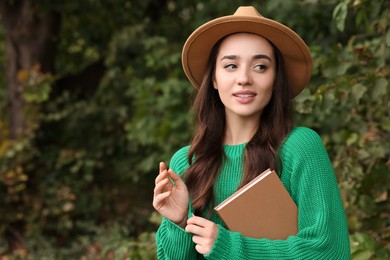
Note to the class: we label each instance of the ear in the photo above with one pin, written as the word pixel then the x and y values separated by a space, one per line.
pixel 215 84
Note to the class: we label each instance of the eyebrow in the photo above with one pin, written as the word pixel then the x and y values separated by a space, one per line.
pixel 255 57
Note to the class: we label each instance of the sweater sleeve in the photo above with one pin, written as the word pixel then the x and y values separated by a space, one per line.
pixel 173 242
pixel 322 227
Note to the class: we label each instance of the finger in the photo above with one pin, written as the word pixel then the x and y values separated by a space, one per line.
pixel 158 200
pixel 196 230
pixel 162 172
pixel 197 240
pixel 163 167
pixel 200 249
pixel 199 221
pixel 161 176
pixel 160 187
pixel 203 245
pixel 175 177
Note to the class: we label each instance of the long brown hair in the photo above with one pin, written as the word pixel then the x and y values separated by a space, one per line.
pixel 206 152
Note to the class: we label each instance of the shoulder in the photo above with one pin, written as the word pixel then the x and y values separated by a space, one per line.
pixel 179 160
pixel 302 138
pixel 305 161
pixel 301 133
pixel 303 142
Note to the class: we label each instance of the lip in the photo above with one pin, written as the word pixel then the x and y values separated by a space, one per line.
pixel 244 97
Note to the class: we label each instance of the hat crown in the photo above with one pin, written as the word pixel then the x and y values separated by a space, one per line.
pixel 298 63
pixel 247 11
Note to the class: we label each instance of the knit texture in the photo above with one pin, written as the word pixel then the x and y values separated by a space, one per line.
pixel 309 178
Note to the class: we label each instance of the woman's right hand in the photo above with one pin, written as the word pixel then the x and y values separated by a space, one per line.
pixel 171 200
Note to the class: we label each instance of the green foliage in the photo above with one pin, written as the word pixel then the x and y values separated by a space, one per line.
pixel 109 242
pixel 362 246
pixel 349 106
pixel 79 182
pixel 340 14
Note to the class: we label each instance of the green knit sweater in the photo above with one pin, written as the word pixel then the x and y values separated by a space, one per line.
pixel 309 178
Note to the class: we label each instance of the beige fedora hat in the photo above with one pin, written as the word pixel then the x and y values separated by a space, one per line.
pixel 296 54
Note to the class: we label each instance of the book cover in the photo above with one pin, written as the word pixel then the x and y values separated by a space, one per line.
pixel 261 209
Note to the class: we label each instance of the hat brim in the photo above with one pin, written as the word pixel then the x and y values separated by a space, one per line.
pixel 296 55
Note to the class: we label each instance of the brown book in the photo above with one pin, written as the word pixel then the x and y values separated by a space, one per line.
pixel 261 209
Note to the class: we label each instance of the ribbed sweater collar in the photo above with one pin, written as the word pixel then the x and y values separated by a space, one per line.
pixel 234 150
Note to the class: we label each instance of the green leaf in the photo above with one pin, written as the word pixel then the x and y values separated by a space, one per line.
pixel 358 91
pixel 363 255
pixel 353 138
pixel 363 154
pixel 340 14
pixel 380 88
pixel 332 70
pixel 388 38
pixel 363 241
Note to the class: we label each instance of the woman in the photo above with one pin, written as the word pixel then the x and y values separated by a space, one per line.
pixel 247 68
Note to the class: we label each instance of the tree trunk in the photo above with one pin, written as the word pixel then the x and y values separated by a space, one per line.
pixel 31 40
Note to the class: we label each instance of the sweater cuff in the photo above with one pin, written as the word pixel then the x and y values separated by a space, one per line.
pixel 221 245
pixel 178 232
pixel 174 226
pixel 173 242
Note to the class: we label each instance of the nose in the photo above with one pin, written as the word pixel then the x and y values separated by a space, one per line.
pixel 244 78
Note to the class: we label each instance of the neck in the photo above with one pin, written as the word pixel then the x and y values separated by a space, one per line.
pixel 240 130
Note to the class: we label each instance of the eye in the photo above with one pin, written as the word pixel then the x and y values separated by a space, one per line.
pixel 230 66
pixel 260 67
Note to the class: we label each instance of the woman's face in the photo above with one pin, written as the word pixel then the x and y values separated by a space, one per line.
pixel 244 74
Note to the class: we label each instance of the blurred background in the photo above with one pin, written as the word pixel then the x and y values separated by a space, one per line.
pixel 93 96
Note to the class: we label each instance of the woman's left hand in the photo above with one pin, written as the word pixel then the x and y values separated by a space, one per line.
pixel 205 233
